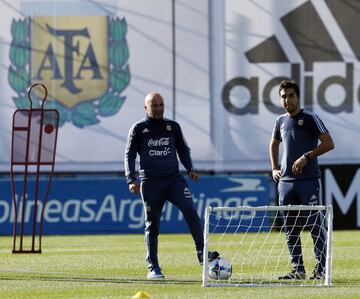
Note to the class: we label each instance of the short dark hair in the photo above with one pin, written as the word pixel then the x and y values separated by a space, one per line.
pixel 290 84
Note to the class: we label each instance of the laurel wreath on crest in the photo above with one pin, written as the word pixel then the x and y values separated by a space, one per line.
pixel 86 113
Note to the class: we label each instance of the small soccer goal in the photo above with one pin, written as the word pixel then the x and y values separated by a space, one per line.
pixel 255 241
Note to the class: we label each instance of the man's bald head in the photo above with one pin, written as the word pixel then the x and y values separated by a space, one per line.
pixel 154 105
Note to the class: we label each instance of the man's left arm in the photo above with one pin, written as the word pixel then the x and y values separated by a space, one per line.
pixel 326 144
pixel 184 154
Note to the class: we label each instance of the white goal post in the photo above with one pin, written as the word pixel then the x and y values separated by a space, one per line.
pixel 253 239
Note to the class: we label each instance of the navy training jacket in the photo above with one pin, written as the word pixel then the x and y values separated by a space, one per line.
pixel 158 142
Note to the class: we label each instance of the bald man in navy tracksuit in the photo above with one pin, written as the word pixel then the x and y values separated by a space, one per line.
pixel 158 141
pixel 299 131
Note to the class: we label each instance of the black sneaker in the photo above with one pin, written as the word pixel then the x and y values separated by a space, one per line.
pixel 212 255
pixel 293 275
pixel 317 275
pixel 318 272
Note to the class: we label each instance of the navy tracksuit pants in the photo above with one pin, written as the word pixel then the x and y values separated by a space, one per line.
pixel 154 193
pixel 303 192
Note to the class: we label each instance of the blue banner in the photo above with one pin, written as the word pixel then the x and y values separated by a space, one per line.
pixel 104 205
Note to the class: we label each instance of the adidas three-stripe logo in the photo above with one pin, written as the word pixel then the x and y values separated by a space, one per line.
pixel 310 35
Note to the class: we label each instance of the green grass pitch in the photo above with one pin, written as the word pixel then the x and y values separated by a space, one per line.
pixel 113 266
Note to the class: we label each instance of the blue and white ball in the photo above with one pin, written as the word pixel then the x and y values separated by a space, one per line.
pixel 220 269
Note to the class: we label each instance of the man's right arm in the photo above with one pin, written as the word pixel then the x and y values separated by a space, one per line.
pixel 274 158
pixel 130 157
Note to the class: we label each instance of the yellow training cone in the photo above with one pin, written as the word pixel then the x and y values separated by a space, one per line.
pixel 141 295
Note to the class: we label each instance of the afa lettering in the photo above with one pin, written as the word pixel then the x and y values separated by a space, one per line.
pixel 49 62
pixel 88 61
pixel 273 105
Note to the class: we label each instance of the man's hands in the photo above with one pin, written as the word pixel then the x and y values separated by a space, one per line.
pixel 298 166
pixel 276 174
pixel 194 176
pixel 134 187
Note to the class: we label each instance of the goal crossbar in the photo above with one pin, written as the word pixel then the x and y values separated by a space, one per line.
pixel 269 208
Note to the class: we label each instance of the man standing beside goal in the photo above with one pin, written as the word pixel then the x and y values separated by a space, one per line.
pixel 158 141
pixel 298 177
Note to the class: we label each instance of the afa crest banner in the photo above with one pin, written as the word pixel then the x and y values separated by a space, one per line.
pixel 81 60
pixel 218 65
pixel 98 60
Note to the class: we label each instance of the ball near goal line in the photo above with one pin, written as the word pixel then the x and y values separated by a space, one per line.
pixel 254 242
pixel 220 269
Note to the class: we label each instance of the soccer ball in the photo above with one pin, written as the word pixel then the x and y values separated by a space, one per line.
pixel 220 268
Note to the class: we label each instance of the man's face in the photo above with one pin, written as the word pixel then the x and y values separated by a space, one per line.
pixel 289 100
pixel 154 105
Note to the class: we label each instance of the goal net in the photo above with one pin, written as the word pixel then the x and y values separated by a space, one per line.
pixel 265 243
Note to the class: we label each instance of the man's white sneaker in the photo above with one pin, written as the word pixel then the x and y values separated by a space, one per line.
pixel 155 273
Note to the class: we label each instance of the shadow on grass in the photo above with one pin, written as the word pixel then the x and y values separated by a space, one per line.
pixel 117 280
pixel 18 276
pixel 347 282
